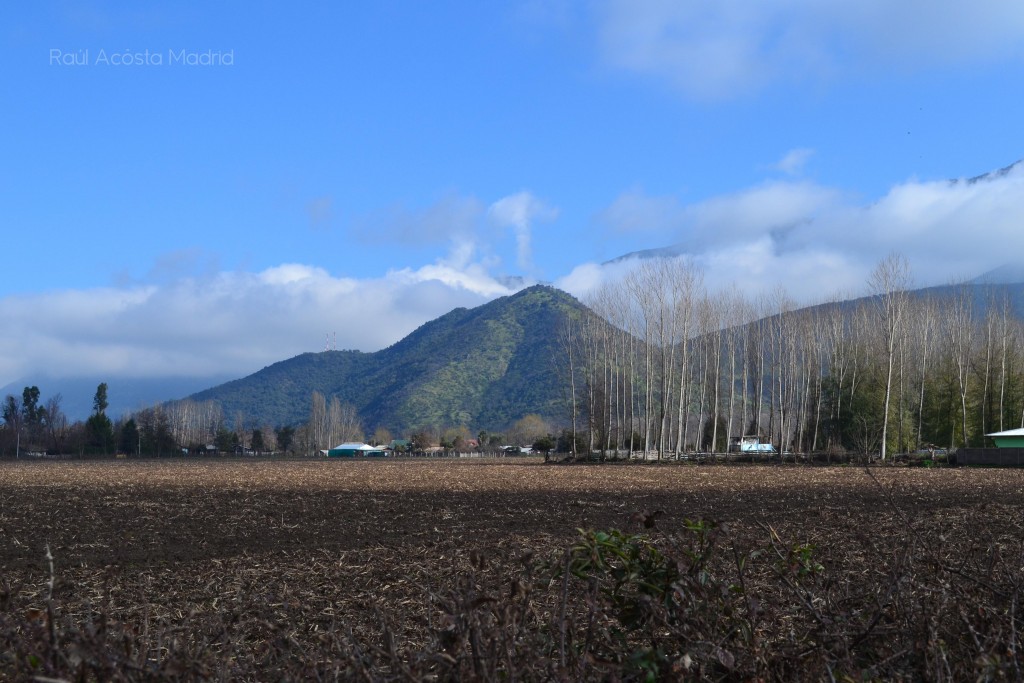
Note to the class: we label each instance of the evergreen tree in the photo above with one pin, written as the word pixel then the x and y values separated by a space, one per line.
pixel 30 406
pixel 99 401
pixel 99 430
pixel 130 438
pixel 257 441
pixel 285 435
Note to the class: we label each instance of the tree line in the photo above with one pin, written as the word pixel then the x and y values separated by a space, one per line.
pixel 202 428
pixel 666 366
pixel 33 426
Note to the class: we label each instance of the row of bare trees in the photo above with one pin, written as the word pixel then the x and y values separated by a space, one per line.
pixel 665 366
pixel 332 423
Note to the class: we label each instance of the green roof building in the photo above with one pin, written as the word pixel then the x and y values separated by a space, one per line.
pixel 351 450
pixel 1013 438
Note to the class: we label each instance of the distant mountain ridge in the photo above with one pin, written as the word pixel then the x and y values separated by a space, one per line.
pixel 993 175
pixel 483 367
pixel 1006 274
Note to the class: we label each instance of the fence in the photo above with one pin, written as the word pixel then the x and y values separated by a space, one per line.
pixel 990 457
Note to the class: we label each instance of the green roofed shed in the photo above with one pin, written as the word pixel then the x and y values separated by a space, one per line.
pixel 1013 438
pixel 352 449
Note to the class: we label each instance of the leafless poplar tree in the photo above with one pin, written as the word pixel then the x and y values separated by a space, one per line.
pixel 318 424
pixel 889 283
pixel 959 338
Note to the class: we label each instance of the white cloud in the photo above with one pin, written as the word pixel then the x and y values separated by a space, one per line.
pixel 229 323
pixel 472 230
pixel 636 213
pixel 519 212
pixel 794 161
pixel 190 318
pixel 815 241
pixel 719 50
pixel 585 278
pixel 722 219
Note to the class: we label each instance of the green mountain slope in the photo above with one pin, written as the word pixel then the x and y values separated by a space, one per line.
pixel 483 368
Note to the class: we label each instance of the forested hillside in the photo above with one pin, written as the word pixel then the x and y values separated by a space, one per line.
pixel 483 368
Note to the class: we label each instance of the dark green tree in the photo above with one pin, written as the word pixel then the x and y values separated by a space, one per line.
pixel 99 401
pixel 157 438
pixel 565 443
pixel 30 408
pixel 99 431
pixel 257 441
pixel 544 444
pixel 225 441
pixel 129 441
pixel 99 439
pixel 12 412
pixel 285 435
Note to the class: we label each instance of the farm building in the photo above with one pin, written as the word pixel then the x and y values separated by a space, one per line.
pixel 749 444
pixel 1009 451
pixel 399 445
pixel 353 449
pixel 1013 438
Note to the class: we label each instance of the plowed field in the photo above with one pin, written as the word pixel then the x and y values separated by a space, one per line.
pixel 252 569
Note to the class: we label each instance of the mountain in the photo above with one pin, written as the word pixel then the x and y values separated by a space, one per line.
pixel 994 175
pixel 483 367
pixel 671 251
pixel 1006 274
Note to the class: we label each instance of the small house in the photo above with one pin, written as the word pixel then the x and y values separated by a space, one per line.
pixel 1012 438
pixel 353 449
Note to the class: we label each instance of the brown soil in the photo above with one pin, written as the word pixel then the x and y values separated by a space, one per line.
pixel 160 545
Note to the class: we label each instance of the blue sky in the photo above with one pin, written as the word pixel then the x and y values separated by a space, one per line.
pixel 361 168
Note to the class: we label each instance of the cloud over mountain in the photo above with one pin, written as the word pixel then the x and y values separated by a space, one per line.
pixel 228 323
pixel 817 240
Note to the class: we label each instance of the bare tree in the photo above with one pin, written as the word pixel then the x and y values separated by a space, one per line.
pixel 56 423
pixel 959 334
pixel 888 283
pixel 343 423
pixel 926 323
pixel 568 337
pixel 640 284
pixel 318 424
pixel 687 285
pixel 1004 339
